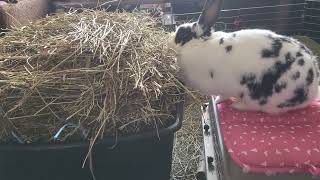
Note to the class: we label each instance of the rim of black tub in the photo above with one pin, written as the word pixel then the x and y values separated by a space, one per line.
pixel 110 141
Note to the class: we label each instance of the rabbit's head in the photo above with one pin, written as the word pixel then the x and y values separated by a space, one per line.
pixel 202 28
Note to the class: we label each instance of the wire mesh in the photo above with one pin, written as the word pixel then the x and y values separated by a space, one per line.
pixel 295 18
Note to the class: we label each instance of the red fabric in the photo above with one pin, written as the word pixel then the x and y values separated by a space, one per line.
pixel 264 143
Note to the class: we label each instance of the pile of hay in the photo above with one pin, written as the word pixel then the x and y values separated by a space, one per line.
pixel 10 1
pixel 86 75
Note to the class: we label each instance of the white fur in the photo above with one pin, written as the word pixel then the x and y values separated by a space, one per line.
pixel 198 57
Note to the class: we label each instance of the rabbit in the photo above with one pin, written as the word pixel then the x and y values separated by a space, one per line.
pixel 264 71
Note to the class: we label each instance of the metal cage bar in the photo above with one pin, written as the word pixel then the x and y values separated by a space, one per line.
pixel 214 167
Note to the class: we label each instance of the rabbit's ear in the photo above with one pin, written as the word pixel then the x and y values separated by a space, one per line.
pixel 210 13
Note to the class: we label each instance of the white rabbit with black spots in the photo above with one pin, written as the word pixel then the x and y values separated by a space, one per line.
pixel 263 70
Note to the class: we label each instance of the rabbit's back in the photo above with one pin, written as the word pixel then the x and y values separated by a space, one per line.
pixel 269 72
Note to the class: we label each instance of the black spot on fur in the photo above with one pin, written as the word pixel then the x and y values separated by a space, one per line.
pixel 234 35
pixel 299 54
pixel 241 95
pixel 221 41
pixel 206 33
pixel 301 62
pixel 228 48
pixel 263 102
pixel 260 89
pixel 300 95
pixel 279 86
pixel 211 74
pixel 247 78
pixel 296 75
pixel 310 77
pixel 184 35
pixel 274 51
pixel 288 56
pixel 277 64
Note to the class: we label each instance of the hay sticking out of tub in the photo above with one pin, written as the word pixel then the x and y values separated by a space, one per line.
pixel 109 73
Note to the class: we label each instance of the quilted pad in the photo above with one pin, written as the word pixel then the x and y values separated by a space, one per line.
pixel 263 143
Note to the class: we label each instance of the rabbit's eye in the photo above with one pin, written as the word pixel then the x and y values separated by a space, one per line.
pixel 184 35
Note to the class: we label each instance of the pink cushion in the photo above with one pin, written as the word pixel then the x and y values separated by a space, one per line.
pixel 263 143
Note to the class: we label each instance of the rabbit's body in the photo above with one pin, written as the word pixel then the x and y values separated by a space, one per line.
pixel 263 70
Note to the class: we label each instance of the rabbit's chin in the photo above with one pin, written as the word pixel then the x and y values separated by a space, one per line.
pixel 171 42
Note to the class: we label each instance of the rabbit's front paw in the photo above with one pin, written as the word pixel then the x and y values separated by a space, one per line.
pixel 241 106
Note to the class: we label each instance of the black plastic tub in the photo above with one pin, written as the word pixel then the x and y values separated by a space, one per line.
pixel 142 156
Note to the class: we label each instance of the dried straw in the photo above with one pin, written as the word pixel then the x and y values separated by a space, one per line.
pixel 106 72
pixel 10 1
